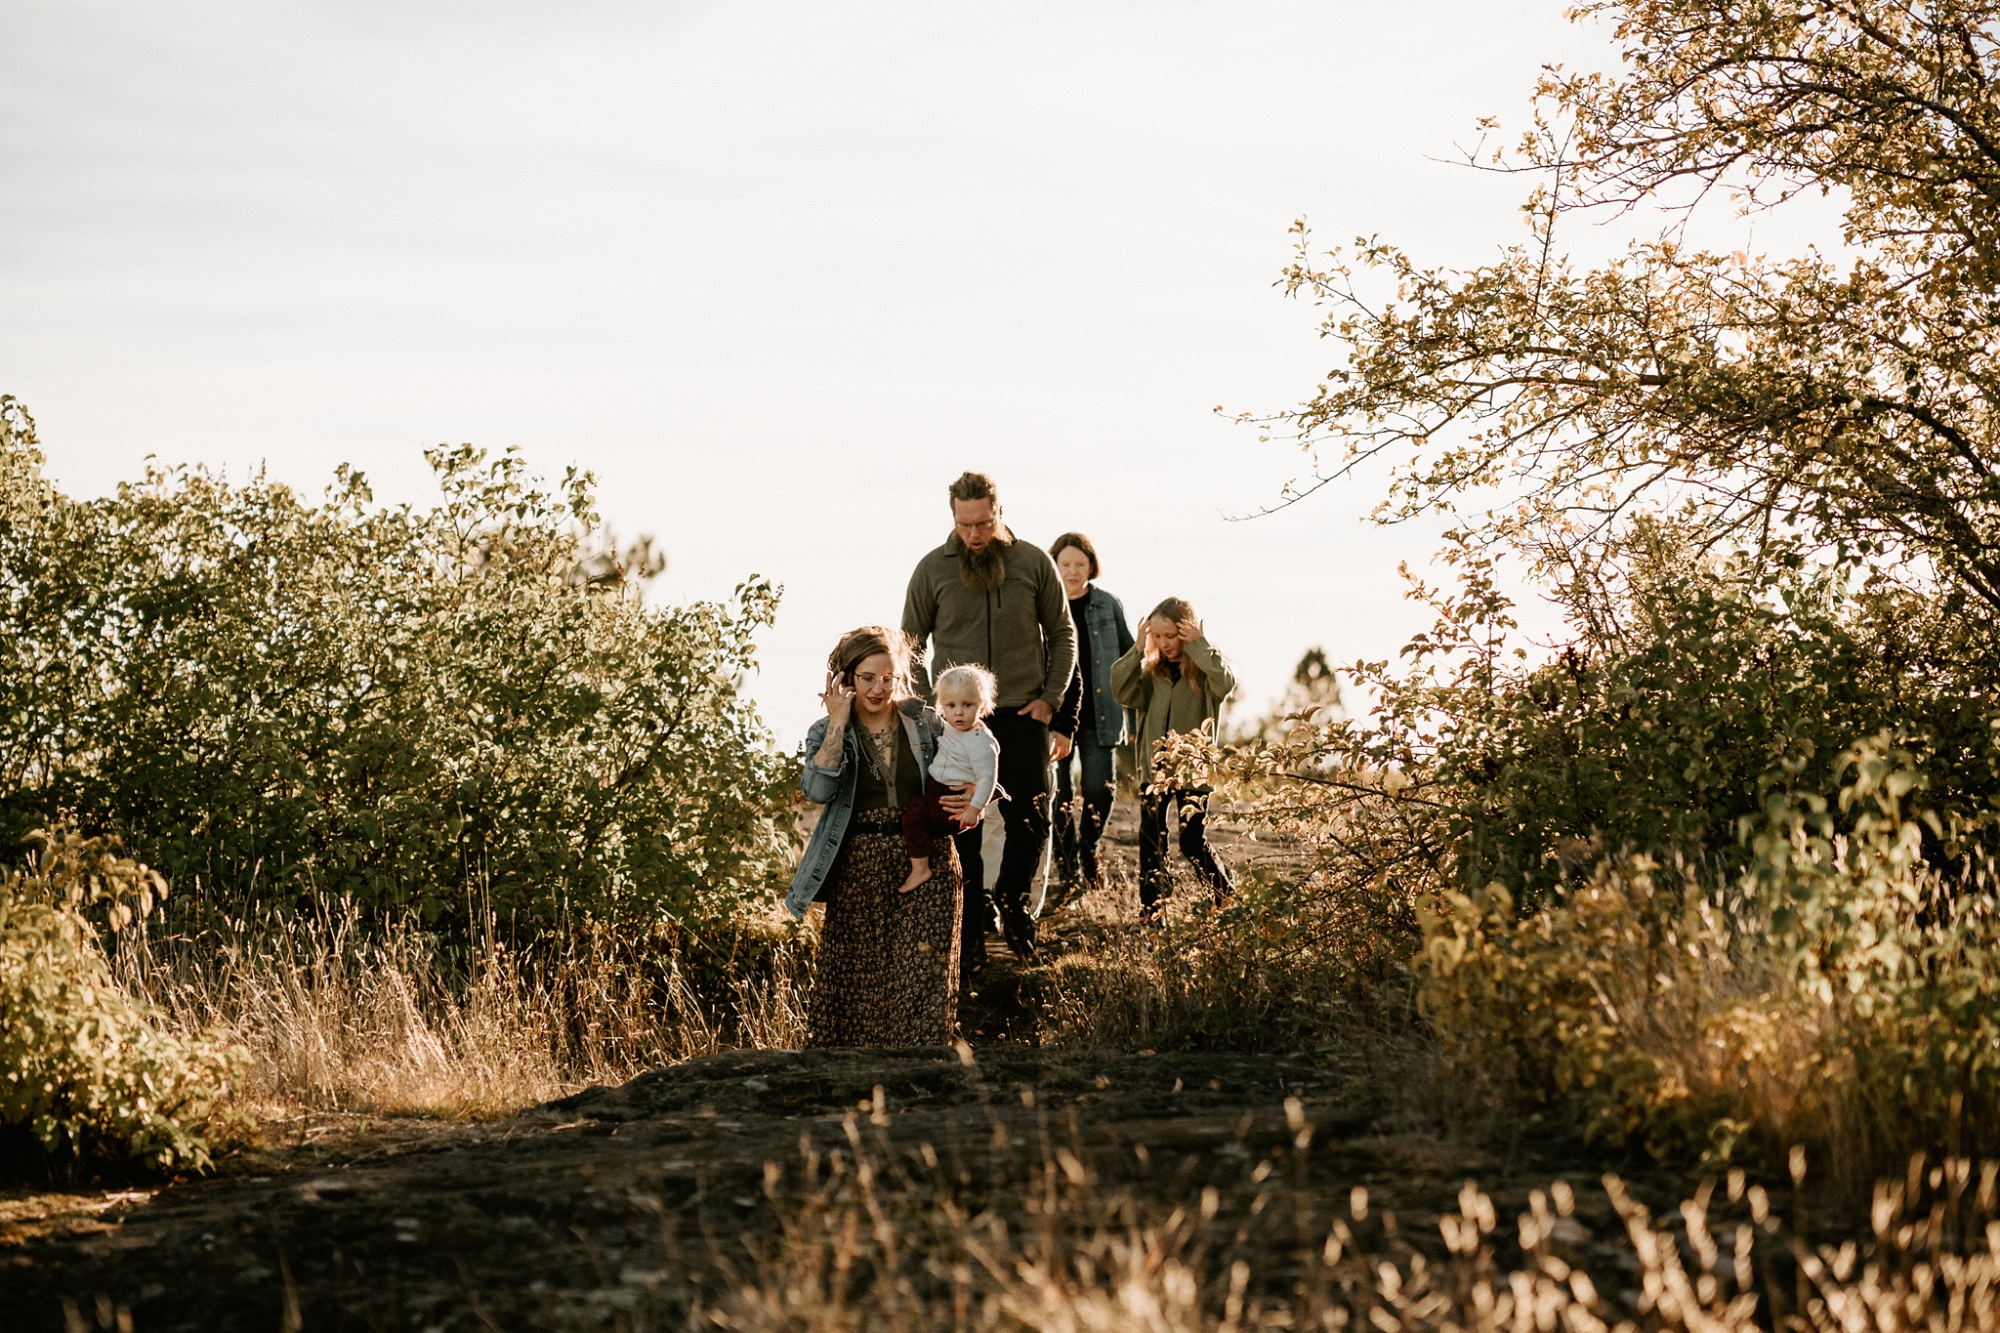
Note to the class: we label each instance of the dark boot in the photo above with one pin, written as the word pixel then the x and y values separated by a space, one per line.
pixel 1019 928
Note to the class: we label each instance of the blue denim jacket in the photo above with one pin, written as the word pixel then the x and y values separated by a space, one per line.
pixel 1110 638
pixel 834 789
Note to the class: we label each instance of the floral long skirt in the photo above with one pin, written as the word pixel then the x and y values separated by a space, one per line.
pixel 888 961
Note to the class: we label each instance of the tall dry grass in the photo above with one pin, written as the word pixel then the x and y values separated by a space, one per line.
pixel 883 1237
pixel 336 1016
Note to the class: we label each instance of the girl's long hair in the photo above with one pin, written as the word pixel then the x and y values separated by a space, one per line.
pixel 1175 609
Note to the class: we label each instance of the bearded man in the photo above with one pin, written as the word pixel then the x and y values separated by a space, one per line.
pixel 985 598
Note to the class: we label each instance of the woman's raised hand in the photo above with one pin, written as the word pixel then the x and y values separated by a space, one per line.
pixel 1190 629
pixel 837 699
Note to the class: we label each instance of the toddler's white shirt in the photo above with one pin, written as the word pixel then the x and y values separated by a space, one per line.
pixel 968 756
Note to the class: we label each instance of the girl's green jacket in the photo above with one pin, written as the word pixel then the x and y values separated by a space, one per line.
pixel 1164 706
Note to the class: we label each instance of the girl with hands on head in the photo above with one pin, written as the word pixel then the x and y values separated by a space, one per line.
pixel 1175 681
pixel 1173 635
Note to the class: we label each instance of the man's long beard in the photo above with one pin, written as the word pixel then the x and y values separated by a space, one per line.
pixel 984 570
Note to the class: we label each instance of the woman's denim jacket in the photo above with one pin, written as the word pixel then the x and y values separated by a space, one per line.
pixel 834 789
pixel 1110 638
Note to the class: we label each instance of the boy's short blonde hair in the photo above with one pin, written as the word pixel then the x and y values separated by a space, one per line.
pixel 974 680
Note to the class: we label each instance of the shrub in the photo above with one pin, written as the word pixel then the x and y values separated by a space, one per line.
pixel 1614 996
pixel 88 1073
pixel 1277 968
pixel 446 711
pixel 1839 993
pixel 1657 883
pixel 1681 699
pixel 1665 720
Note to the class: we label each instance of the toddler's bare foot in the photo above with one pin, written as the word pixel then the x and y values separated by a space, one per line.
pixel 920 875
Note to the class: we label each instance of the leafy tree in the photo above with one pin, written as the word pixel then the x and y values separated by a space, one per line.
pixel 1765 491
pixel 446 710
pixel 1791 405
pixel 1744 818
pixel 1313 694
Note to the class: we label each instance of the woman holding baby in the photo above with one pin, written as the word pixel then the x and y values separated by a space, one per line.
pixel 888 958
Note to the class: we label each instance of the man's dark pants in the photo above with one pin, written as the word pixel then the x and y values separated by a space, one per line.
pixel 1024 772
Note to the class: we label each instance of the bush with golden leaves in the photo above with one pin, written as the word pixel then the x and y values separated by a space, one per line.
pixel 88 1072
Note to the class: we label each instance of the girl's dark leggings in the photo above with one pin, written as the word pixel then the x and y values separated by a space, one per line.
pixel 1155 883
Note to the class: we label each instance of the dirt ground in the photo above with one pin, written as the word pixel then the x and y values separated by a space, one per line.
pixel 616 1207
pixel 611 1206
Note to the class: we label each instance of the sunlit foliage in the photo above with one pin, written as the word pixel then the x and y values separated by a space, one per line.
pixel 452 710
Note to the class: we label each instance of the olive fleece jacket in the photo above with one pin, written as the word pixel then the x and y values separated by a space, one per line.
pixel 1021 631
pixel 1164 705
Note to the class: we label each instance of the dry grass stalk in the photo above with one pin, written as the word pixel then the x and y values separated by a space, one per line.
pixel 771 1011
pixel 874 1238
pixel 336 1018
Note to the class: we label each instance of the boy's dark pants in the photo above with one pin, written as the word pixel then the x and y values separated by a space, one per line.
pixel 1155 882
pixel 1079 854
pixel 924 819
pixel 1024 773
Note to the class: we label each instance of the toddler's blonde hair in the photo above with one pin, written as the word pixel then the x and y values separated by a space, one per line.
pixel 973 680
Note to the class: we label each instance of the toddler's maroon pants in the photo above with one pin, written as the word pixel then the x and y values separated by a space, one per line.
pixel 924 819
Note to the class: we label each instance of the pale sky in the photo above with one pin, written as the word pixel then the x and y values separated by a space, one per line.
pixel 776 273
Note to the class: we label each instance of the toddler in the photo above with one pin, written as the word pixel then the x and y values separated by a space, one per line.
pixel 967 752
